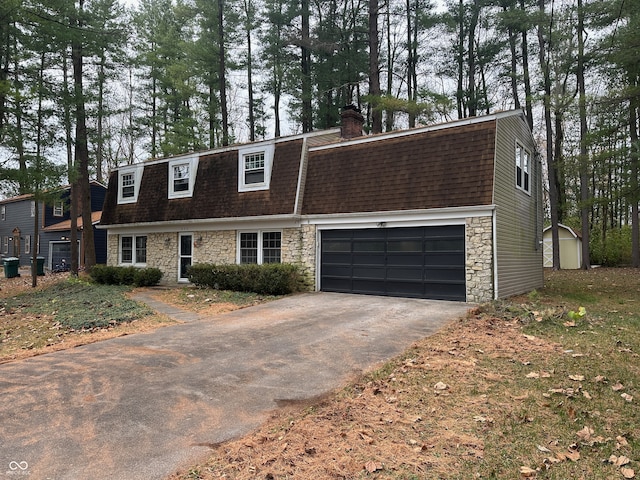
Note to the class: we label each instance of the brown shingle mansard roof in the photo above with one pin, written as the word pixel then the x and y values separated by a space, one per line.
pixel 215 193
pixel 450 167
pixel 445 166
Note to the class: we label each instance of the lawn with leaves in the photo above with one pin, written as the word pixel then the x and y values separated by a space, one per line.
pixel 531 387
pixel 67 313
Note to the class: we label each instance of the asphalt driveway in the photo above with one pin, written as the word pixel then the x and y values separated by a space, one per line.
pixel 142 406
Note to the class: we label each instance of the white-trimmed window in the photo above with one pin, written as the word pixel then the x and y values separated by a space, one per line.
pixel 5 244
pixel 260 247
pixel 523 166
pixel 133 249
pixel 129 184
pixel 254 167
pixel 3 212
pixel 33 208
pixel 182 175
pixel 27 244
pixel 58 208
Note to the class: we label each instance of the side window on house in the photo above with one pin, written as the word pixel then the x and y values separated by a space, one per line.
pixel 58 208
pixel 27 244
pixel 133 249
pixel 523 165
pixel 33 208
pixel 260 247
pixel 3 213
pixel 5 244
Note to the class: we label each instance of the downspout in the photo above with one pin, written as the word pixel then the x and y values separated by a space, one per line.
pixel 495 253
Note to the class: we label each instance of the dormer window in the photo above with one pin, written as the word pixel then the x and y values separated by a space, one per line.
pixel 182 174
pixel 254 167
pixel 129 184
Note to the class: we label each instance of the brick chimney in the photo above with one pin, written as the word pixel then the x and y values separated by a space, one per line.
pixel 351 122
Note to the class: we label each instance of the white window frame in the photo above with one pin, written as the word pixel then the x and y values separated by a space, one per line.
pixel 33 208
pixel 27 244
pixel 3 212
pixel 58 208
pixel 260 246
pixel 136 176
pixel 522 167
pixel 267 150
pixel 134 250
pixel 192 169
pixel 5 244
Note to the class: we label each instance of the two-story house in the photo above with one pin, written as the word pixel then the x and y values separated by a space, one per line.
pixel 449 211
pixel 17 231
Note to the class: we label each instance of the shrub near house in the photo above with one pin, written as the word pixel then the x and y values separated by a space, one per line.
pixel 267 279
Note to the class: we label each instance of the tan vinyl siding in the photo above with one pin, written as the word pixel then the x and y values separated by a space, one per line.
pixel 518 214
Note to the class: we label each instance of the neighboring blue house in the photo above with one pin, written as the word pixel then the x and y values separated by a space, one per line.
pixel 17 228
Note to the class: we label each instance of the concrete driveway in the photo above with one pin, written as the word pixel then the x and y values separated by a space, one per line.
pixel 142 406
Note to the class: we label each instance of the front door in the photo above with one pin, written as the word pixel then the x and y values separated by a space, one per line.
pixel 186 256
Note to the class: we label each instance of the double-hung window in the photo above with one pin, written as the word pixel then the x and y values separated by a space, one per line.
pixel 259 247
pixel 254 167
pixel 27 244
pixel 182 172
pixel 523 166
pixel 133 249
pixel 33 208
pixel 58 208
pixel 5 244
pixel 129 179
pixel 3 213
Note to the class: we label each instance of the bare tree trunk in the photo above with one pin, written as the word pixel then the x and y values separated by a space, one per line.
pixel 307 113
pixel 633 184
pixel 82 148
pixel 583 162
pixel 553 191
pixel 222 75
pixel 525 74
pixel 374 67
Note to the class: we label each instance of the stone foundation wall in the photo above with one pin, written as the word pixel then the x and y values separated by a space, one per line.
pixel 479 263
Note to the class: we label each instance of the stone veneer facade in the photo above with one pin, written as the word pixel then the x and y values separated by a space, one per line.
pixel 299 247
pixel 479 262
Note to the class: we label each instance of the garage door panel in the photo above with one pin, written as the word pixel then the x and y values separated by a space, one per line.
pixel 368 258
pixel 367 286
pixel 368 272
pixel 337 270
pixel 440 291
pixel 394 273
pixel 405 289
pixel 422 262
pixel 444 275
pixel 443 259
pixel 335 284
pixel 400 259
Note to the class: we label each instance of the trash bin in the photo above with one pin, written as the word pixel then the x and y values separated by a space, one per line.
pixel 39 266
pixel 11 265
